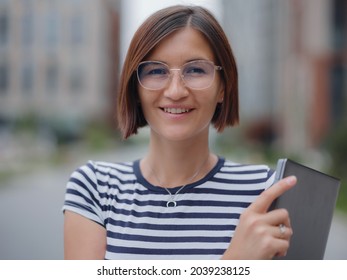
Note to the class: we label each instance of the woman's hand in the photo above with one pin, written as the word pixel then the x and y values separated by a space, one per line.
pixel 260 234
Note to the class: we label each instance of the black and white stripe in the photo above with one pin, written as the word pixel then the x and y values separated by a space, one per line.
pixel 140 226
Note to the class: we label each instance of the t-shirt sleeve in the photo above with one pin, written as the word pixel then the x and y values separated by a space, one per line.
pixel 270 178
pixel 82 195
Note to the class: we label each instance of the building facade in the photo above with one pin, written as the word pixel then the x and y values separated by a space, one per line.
pixel 54 57
pixel 292 58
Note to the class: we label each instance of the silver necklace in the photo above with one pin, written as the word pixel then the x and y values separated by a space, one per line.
pixel 172 199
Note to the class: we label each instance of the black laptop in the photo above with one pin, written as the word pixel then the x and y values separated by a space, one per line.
pixel 311 204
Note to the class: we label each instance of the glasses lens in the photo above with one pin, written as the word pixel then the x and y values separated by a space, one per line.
pixel 198 74
pixel 153 75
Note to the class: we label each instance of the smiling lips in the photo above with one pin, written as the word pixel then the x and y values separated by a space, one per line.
pixel 176 110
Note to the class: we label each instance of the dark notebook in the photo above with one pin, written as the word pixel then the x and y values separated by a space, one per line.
pixel 311 204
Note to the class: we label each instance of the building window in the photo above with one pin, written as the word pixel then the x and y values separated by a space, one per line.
pixel 27 78
pixel 338 70
pixel 52 78
pixel 4 78
pixel 76 79
pixel 52 28
pixel 27 29
pixel 340 24
pixel 77 30
pixel 4 27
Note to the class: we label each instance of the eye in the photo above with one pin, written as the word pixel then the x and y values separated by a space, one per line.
pixel 197 69
pixel 157 71
pixel 153 70
pixel 191 70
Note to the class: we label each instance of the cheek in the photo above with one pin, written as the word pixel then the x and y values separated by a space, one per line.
pixel 146 102
pixel 142 96
pixel 215 101
pixel 210 106
pixel 218 95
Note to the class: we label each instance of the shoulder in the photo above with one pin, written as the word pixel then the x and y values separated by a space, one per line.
pixel 102 167
pixel 244 167
pixel 95 172
pixel 248 172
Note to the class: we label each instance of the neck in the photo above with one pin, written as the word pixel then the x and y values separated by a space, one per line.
pixel 175 164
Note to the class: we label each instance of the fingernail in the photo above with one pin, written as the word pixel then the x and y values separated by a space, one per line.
pixel 291 180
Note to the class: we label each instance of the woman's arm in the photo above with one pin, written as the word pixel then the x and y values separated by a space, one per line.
pixel 83 239
pixel 258 235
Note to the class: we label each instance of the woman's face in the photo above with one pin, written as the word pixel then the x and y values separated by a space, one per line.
pixel 177 112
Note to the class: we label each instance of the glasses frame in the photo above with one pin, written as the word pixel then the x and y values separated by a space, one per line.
pixel 215 67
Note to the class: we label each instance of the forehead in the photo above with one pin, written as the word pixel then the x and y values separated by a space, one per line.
pixel 182 46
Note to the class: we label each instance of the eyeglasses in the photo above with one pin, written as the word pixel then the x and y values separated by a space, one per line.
pixel 197 74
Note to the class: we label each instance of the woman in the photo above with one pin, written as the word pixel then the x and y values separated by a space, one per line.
pixel 180 201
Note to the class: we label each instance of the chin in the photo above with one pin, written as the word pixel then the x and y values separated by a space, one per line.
pixel 178 135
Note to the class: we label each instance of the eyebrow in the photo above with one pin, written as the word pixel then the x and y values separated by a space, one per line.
pixel 187 61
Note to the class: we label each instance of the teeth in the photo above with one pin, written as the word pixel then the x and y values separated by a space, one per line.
pixel 176 110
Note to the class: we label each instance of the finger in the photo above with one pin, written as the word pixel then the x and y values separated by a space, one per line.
pixel 282 246
pixel 277 216
pixel 282 231
pixel 278 223
pixel 265 199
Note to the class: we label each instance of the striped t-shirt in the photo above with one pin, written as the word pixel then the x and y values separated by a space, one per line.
pixel 140 225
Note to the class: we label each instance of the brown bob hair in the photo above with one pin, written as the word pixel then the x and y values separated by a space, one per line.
pixel 149 34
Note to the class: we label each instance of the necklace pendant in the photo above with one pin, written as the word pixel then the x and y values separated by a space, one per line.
pixel 171 203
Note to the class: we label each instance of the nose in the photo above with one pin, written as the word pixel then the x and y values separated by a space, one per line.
pixel 176 88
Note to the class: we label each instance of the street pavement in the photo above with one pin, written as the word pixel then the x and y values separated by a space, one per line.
pixel 31 220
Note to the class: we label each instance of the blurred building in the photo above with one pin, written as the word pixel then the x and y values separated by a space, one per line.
pixel 292 58
pixel 313 70
pixel 57 58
